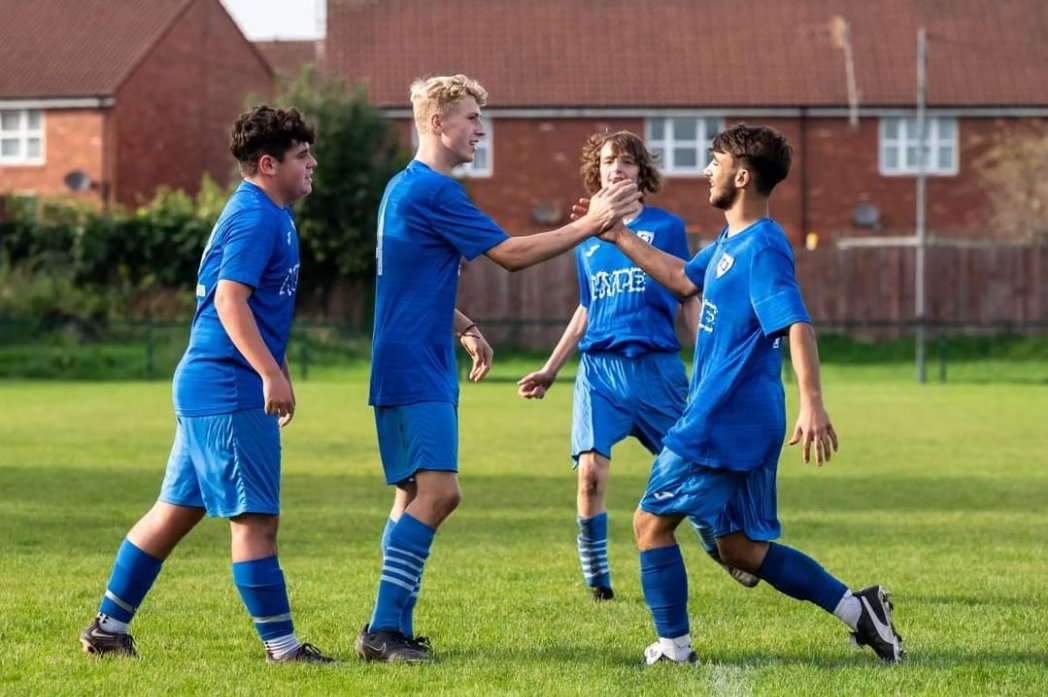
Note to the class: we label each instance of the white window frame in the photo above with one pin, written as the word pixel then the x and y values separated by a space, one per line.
pixel 23 134
pixel 906 127
pixel 470 170
pixel 706 128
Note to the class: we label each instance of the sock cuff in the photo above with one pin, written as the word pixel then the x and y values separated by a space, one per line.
pixel 412 534
pixel 258 572
pixel 660 556
pixel 130 553
pixel 597 526
pixel 773 562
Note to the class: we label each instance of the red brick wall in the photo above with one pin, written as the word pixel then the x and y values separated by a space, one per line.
pixel 536 161
pixel 173 114
pixel 73 140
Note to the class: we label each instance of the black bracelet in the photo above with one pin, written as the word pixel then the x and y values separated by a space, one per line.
pixel 463 332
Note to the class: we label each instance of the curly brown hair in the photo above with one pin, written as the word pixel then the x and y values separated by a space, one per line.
pixel 649 180
pixel 264 130
pixel 760 149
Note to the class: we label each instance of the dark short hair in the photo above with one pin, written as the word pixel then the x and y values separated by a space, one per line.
pixel 760 149
pixel 649 181
pixel 263 130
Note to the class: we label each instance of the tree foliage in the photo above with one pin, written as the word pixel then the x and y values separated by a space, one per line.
pixel 1015 172
pixel 358 152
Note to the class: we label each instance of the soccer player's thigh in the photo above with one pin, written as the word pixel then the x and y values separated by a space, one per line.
pixel 417 437
pixel 754 510
pixel 237 460
pixel 677 487
pixel 662 388
pixel 600 417
pixel 181 486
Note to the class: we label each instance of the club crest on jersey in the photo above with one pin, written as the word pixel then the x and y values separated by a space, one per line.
pixel 724 265
pixel 647 236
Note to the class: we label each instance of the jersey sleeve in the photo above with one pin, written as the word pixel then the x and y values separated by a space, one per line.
pixel 695 269
pixel 459 221
pixel 247 247
pixel 774 292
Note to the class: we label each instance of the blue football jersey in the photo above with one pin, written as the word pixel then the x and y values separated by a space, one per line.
pixel 736 413
pixel 629 313
pixel 254 243
pixel 426 225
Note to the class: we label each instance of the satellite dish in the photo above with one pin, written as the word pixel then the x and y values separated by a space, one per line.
pixel 78 181
pixel 867 215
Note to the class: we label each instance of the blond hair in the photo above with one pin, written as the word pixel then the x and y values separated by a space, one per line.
pixel 438 94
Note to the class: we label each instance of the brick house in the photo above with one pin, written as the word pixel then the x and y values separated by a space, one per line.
pixel 288 57
pixel 135 95
pixel 678 71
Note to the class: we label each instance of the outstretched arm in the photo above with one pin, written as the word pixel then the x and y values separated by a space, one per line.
pixel 813 423
pixel 535 385
pixel 476 346
pixel 665 268
pixel 606 208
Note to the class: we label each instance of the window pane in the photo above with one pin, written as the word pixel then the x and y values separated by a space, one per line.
pixel 945 159
pixel 34 120
pixel 10 120
pixel 480 160
pixel 891 129
pixel 947 128
pixel 685 158
pixel 685 129
pixel 913 155
pixel 713 127
pixel 891 159
pixel 9 148
pixel 33 149
pixel 657 129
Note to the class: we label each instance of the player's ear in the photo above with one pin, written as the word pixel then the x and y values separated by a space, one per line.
pixel 267 164
pixel 436 122
pixel 743 178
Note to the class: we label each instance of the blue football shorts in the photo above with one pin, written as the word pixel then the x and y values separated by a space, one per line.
pixel 727 501
pixel 616 397
pixel 228 464
pixel 417 437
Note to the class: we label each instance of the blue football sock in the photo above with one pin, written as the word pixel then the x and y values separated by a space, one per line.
pixel 665 583
pixel 794 573
pixel 264 592
pixel 593 550
pixel 385 534
pixel 407 620
pixel 705 533
pixel 406 553
pixel 133 575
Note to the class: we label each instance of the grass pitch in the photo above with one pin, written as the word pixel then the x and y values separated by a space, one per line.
pixel 938 492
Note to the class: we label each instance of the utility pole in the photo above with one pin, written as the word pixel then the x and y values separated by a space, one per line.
pixel 840 31
pixel 922 186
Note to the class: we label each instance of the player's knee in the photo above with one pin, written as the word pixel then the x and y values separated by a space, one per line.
pixel 646 530
pixel 740 552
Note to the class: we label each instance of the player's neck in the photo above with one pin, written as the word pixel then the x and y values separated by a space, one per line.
pixel 268 189
pixel 437 158
pixel 746 212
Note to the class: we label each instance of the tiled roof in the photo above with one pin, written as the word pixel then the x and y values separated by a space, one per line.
pixel 77 48
pixel 288 57
pixel 695 53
